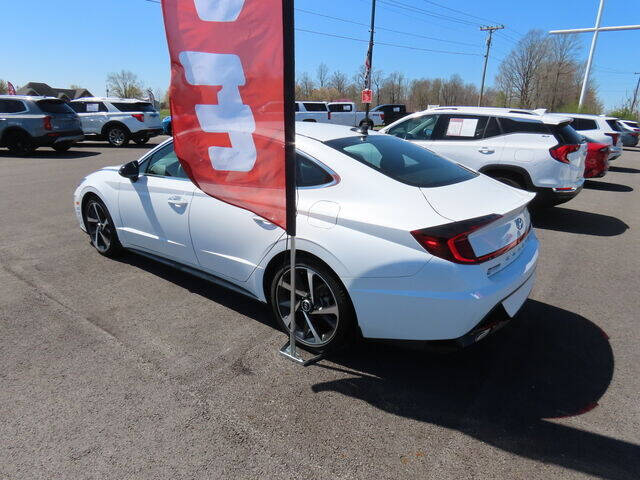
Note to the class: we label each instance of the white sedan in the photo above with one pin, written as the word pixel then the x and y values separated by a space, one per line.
pixel 394 242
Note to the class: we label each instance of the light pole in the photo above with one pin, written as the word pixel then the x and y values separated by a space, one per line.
pixel 635 93
pixel 369 61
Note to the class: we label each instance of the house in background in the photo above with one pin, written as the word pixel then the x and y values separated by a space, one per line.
pixel 42 89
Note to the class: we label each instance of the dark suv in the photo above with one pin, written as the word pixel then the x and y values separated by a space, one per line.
pixel 27 123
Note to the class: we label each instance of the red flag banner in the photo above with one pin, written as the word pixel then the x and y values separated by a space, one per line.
pixel 11 90
pixel 228 99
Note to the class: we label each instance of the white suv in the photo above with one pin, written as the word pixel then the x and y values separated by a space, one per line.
pixel 525 149
pixel 118 120
pixel 598 128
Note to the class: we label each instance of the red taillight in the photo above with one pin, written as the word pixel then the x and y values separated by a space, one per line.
pixel 561 152
pixel 329 115
pixel 138 116
pixel 382 117
pixel 614 137
pixel 451 241
pixel 46 121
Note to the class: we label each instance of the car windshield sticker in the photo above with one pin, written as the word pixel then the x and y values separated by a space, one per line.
pixel 396 109
pixel 462 127
pixel 92 107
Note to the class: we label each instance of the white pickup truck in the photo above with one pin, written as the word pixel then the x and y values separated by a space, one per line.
pixel 312 112
pixel 345 113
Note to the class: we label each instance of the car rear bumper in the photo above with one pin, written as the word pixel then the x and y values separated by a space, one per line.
pixel 54 138
pixel 443 302
pixel 556 196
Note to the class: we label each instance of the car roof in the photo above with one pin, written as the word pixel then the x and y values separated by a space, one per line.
pixel 327 131
pixel 110 99
pixel 516 113
pixel 590 116
pixel 27 97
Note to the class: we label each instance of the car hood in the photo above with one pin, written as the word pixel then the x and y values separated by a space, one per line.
pixel 475 198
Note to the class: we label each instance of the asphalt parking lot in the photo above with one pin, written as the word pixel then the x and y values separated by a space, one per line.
pixel 129 369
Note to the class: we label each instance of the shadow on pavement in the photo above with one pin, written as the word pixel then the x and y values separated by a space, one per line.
pixel 548 364
pixel 52 154
pixel 606 186
pixel 223 296
pixel 133 145
pixel 576 221
pixel 624 170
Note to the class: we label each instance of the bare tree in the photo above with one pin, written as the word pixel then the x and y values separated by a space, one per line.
pixel 124 84
pixel 394 88
pixel 3 87
pixel 520 70
pixel 338 81
pixel 322 74
pixel 305 82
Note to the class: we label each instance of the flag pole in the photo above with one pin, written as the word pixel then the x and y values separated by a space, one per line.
pixel 289 349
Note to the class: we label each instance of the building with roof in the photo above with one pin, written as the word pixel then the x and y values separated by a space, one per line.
pixel 42 89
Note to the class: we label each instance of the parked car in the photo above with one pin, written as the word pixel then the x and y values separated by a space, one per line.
pixel 118 120
pixel 27 123
pixel 391 112
pixel 597 161
pixel 312 112
pixel 630 125
pixel 629 134
pixel 346 113
pixel 598 128
pixel 166 125
pixel 393 240
pixel 528 150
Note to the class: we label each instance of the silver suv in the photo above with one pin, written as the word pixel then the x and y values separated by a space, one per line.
pixel 118 120
pixel 27 123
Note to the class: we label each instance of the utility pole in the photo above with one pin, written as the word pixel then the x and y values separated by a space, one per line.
pixel 635 94
pixel 597 29
pixel 486 56
pixel 369 60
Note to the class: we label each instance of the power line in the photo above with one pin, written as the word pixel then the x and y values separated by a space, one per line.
pixel 388 44
pixel 385 28
pixel 458 11
pixel 429 14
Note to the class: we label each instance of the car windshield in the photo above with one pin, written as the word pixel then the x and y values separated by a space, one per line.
pixel 134 107
pixel 402 161
pixel 54 106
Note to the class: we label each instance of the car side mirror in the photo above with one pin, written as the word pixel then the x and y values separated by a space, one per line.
pixel 130 170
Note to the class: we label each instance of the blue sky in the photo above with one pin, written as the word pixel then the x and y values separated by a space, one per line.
pixel 81 41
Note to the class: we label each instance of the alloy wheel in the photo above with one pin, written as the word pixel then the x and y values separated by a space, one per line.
pixel 316 313
pixel 99 226
pixel 117 137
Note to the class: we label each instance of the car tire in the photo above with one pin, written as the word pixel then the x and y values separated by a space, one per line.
pixel 100 227
pixel 511 180
pixel 141 139
pixel 316 331
pixel 62 147
pixel 118 136
pixel 20 143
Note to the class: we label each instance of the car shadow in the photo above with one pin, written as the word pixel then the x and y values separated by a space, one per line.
pixel 235 301
pixel 509 391
pixel 148 145
pixel 606 186
pixel 576 221
pixel 70 154
pixel 623 170
pixel 631 149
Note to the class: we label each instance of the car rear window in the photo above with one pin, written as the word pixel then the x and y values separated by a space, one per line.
pixel 402 161
pixel 134 107
pixel 54 106
pixel 632 124
pixel 614 125
pixel 340 107
pixel 315 107
pixel 584 124
pixel 566 134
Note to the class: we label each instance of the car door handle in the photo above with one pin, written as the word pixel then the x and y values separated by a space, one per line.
pixel 177 200
pixel 264 223
pixel 486 150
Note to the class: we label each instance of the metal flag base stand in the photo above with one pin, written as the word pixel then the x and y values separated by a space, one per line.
pixel 289 349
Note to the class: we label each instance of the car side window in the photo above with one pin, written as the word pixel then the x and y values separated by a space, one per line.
pixel 584 124
pixel 416 128
pixel 12 106
pixel 165 163
pixel 78 107
pixel 309 173
pixel 460 127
